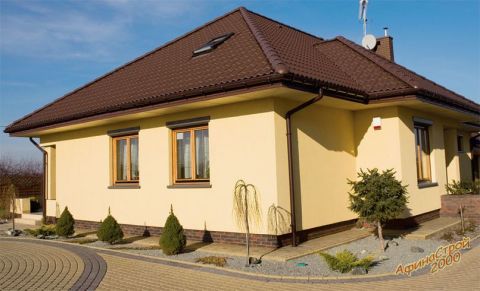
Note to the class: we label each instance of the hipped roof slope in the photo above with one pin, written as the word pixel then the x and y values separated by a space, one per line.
pixel 260 51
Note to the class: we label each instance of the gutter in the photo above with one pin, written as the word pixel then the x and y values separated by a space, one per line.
pixel 288 119
pixel 44 178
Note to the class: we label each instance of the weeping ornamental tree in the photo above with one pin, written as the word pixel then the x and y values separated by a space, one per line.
pixel 378 197
pixel 246 210
pixel 278 220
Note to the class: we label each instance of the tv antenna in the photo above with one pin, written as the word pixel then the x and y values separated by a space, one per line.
pixel 362 15
pixel 368 41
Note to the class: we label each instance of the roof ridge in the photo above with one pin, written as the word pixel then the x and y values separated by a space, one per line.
pixel 283 24
pixel 273 58
pixel 352 46
pixel 385 63
pixel 362 89
pixel 125 65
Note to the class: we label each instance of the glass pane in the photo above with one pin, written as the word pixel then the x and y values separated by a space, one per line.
pixel 418 153
pixel 121 156
pixel 184 161
pixel 425 154
pixel 202 169
pixel 134 174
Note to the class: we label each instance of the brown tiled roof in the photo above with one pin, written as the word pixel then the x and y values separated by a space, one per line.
pixel 260 51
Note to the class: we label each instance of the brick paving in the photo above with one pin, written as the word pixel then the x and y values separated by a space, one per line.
pixel 44 265
pixel 40 265
pixel 130 274
pixel 25 266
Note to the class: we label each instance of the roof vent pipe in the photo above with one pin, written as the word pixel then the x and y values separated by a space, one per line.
pixel 385 30
pixel 288 119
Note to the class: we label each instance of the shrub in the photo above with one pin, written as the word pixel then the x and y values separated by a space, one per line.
pixel 46 229
pixel 345 261
pixel 448 236
pixel 212 260
pixel 110 230
pixel 173 240
pixel 471 226
pixel 378 197
pixel 463 187
pixel 65 224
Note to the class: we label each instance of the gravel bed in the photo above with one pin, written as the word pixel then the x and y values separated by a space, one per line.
pixel 315 265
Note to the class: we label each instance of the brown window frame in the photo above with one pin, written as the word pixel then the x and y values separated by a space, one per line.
pixel 193 146
pixel 420 129
pixel 129 180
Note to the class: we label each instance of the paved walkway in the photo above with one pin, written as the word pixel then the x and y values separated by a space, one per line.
pixel 31 264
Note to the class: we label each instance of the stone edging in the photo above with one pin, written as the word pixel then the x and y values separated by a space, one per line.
pixel 250 275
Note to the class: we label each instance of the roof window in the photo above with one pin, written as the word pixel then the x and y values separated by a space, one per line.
pixel 212 44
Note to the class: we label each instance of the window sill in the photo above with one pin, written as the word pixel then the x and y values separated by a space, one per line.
pixel 124 186
pixel 189 186
pixel 422 185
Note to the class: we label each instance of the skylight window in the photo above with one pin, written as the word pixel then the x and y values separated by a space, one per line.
pixel 212 44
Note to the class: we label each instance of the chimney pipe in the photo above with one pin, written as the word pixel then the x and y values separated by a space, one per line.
pixel 384 46
pixel 385 30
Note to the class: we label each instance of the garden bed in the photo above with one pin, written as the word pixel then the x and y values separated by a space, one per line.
pixel 399 251
pixel 406 252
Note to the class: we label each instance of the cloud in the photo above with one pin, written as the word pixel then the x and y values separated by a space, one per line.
pixel 95 30
pixel 154 9
pixel 58 34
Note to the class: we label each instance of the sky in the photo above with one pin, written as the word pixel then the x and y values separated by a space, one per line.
pixel 48 48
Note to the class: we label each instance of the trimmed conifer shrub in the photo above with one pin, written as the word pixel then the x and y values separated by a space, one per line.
pixel 110 230
pixel 65 224
pixel 173 239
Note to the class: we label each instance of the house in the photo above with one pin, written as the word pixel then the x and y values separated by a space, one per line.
pixel 181 124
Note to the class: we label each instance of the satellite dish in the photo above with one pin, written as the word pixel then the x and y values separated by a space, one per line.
pixel 369 42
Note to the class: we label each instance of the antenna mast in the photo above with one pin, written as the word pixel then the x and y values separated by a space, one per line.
pixel 362 15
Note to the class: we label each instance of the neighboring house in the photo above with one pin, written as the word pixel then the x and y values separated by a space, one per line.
pixel 181 124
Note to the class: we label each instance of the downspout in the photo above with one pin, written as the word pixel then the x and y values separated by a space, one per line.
pixel 288 117
pixel 44 178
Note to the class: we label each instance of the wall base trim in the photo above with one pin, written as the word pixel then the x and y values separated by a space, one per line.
pixel 264 240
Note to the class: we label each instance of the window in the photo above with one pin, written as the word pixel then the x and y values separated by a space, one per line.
pixel 422 149
pixel 125 159
pixel 190 155
pixel 212 44
pixel 460 144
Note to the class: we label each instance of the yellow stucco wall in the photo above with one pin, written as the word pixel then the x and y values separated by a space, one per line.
pixel 324 157
pixel 248 141
pixel 427 199
pixel 242 143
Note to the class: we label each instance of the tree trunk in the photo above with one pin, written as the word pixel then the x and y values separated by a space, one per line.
pixel 247 232
pixel 380 235
pixel 462 219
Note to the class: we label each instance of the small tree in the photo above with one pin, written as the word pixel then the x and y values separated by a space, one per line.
pixel 173 240
pixel 246 210
pixel 65 224
pixel 378 197
pixel 110 230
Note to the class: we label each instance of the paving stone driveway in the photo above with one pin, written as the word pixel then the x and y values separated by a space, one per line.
pixel 42 265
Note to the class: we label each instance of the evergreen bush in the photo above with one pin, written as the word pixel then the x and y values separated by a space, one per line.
pixel 110 230
pixel 173 240
pixel 378 197
pixel 65 224
pixel 345 261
